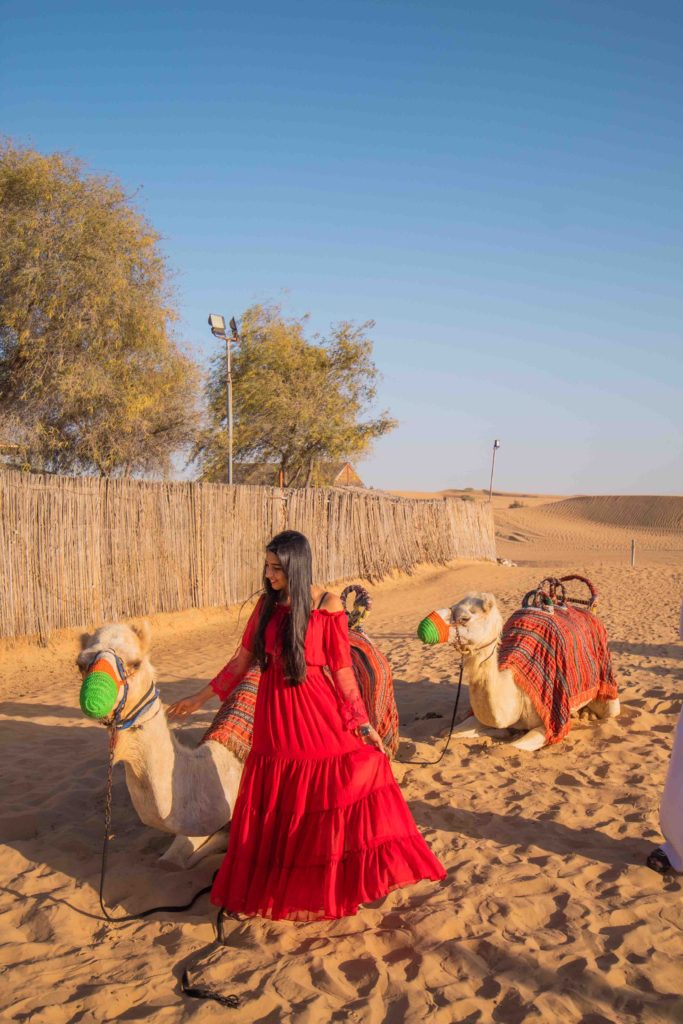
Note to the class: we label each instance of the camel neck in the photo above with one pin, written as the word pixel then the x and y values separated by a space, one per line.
pixel 483 659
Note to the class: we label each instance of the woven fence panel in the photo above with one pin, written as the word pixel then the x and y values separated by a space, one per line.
pixel 75 552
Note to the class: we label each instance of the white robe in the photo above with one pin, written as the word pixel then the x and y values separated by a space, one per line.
pixel 671 808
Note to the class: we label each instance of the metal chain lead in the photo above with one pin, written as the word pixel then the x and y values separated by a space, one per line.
pixel 107 818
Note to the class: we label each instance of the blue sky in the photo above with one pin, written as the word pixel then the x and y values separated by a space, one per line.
pixel 499 186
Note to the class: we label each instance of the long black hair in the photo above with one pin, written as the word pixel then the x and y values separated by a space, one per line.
pixel 294 554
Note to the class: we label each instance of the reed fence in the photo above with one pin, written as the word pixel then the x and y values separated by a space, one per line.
pixel 80 551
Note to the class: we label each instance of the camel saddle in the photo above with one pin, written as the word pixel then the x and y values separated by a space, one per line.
pixel 557 653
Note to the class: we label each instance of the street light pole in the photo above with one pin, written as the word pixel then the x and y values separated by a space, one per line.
pixel 233 336
pixel 496 446
pixel 227 346
pixel 217 325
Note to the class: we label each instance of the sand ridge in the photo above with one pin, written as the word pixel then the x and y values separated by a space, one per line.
pixel 659 513
pixel 547 912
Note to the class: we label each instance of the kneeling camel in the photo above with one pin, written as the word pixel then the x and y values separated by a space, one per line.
pixel 190 792
pixel 531 674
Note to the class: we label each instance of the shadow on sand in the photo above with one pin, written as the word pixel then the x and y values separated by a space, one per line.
pixel 53 781
pixel 672 650
pixel 529 835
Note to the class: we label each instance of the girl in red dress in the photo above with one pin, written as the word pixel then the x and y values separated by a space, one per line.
pixel 319 825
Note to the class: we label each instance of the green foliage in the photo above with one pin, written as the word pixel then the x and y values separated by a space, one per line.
pixel 90 380
pixel 296 402
pixel 517 504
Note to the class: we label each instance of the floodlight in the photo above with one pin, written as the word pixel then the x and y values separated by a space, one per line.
pixel 217 323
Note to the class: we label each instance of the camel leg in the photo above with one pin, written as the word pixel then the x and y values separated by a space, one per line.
pixel 186 851
pixel 213 844
pixel 605 708
pixel 470 728
pixel 534 739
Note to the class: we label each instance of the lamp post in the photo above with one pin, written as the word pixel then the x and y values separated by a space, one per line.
pixel 496 446
pixel 217 325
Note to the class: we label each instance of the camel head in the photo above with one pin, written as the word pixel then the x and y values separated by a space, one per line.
pixel 469 625
pixel 107 656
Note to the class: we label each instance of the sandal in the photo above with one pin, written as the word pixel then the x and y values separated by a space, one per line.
pixel 658 861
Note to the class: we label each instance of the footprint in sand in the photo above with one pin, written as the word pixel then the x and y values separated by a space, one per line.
pixel 512 1009
pixel 412 960
pixel 362 973
pixel 564 779
pixel 489 988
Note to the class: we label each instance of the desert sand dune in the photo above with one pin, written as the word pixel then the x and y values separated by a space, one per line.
pixel 547 914
pixel 641 512
pixel 604 527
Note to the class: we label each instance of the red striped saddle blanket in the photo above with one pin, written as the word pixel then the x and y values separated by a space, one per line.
pixel 234 721
pixel 560 660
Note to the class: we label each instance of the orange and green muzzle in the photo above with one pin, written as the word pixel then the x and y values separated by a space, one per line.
pixel 434 629
pixel 100 687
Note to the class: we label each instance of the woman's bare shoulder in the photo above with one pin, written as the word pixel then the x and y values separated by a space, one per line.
pixel 332 602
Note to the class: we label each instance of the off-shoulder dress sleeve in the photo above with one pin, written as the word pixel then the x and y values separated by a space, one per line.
pixel 249 634
pixel 338 653
pixel 336 640
pixel 234 672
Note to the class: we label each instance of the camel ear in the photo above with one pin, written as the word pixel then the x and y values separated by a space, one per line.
pixel 144 633
pixel 488 602
pixel 85 639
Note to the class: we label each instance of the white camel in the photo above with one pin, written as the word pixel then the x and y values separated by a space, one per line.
pixel 189 792
pixel 474 626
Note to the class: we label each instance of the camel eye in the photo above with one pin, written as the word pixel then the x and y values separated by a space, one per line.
pixel 135 665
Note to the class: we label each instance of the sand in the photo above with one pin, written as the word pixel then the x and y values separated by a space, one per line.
pixel 547 912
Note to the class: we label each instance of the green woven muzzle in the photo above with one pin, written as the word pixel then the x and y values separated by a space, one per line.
pixel 100 688
pixel 433 629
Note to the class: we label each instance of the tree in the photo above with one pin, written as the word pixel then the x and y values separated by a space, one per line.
pixel 297 402
pixel 90 378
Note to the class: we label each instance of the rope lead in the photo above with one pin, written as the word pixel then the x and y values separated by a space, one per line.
pixel 426 764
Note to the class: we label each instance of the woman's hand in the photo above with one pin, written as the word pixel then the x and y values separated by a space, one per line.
pixel 186 706
pixel 370 736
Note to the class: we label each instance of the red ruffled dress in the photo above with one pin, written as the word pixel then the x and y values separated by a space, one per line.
pixel 320 824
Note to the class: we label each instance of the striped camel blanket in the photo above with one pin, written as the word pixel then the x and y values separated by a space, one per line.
pixel 234 722
pixel 560 661
pixel 373 675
